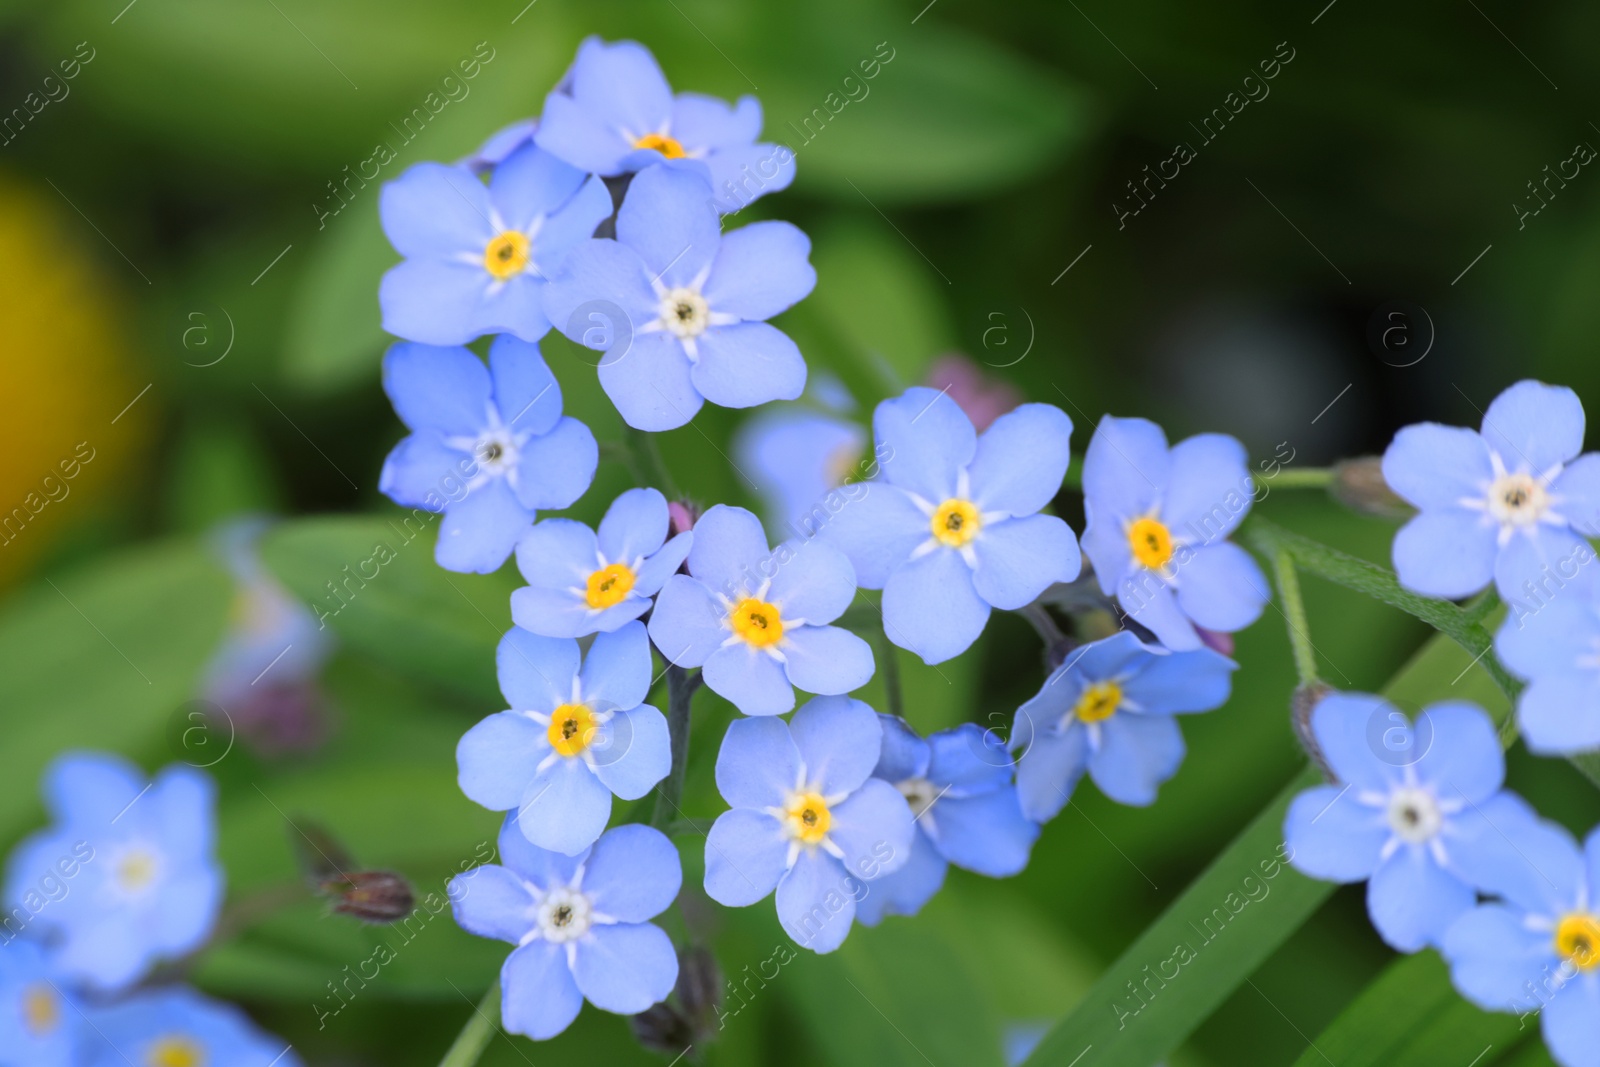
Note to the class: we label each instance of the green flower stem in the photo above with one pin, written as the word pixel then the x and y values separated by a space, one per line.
pixel 474 1037
pixel 1298 478
pixel 889 668
pixel 1294 611
pixel 648 466
pixel 680 694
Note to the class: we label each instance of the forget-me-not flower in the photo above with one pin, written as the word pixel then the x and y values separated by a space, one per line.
pixel 580 582
pixel 756 620
pixel 500 145
pixel 477 256
pixel 577 732
pixel 1110 709
pixel 40 1024
pixel 488 446
pixel 615 112
pixel 175 1026
pixel 680 308
pixel 1417 811
pixel 807 818
pixel 802 459
pixel 1156 523
pixel 150 887
pixel 964 804
pixel 1556 648
pixel 953 528
pixel 581 925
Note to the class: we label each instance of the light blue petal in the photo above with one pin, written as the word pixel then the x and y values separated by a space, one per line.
pixel 741 175
pixel 633 874
pixel 1463 758
pixel 571 131
pixel 538 997
pixel 1481 848
pixel 986 833
pixel 497 758
pixel 540 866
pixel 1137 753
pixel 1413 902
pixel 813 582
pixel 558 554
pixel 1124 473
pixel 562 612
pixel 706 122
pixel 1154 605
pixel 435 211
pixel 650 577
pixel 601 298
pixel 747 364
pixel 479 533
pixel 1209 488
pixel 531 183
pixel 565 807
pixel 1496 961
pixel 748 678
pixel 1535 426
pixel 873 828
pixel 186 912
pixel 571 225
pixel 442 389
pixel 108 955
pixel 1532 563
pixel 1021 459
pixel 904 754
pixel 621 86
pixel 501 144
pixel 905 891
pixel 422 471
pixel 1048 769
pixel 633 752
pixel 924 439
pixel 760 270
pixel 667 218
pixel 1577 492
pixel 746 854
pixel 688 624
pixel 626 968
pixel 650 383
pixel 877 529
pixel 436 302
pixel 1591 860
pixel 800 460
pixel 931 607
pixel 1364 738
pixel 758 764
pixel 817 901
pixel 730 552
pixel 1559 713
pixel 839 740
pixel 1550 637
pixel 90 789
pixel 1433 466
pixel 1569 1021
pixel 1180 682
pixel 969 760
pixel 1020 558
pixel 1448 554
pixel 827 660
pixel 635 526
pixel 556 469
pixel 491 901
pixel 1334 837
pixel 1120 655
pixel 616 673
pixel 1221 588
pixel 525 392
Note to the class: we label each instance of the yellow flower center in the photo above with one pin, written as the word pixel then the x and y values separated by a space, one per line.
pixel 1099 702
pixel 41 1009
pixel 757 622
pixel 806 818
pixel 667 146
pixel 136 869
pixel 955 522
pixel 608 585
pixel 1578 939
pixel 175 1051
pixel 1151 542
pixel 506 254
pixel 572 729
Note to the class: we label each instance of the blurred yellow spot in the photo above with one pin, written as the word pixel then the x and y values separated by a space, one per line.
pixel 175 1051
pixel 506 254
pixel 572 728
pixel 955 522
pixel 757 622
pixel 41 1009
pixel 1099 702
pixel 1151 542
pixel 807 818
pixel 667 146
pixel 1578 939
pixel 608 585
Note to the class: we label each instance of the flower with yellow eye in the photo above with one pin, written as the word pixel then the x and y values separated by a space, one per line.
pixel 174 1026
pixel 38 1011
pixel 807 819
pixel 582 582
pixel 756 620
pixel 578 732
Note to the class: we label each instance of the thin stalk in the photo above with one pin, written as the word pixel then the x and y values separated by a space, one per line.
pixel 889 667
pixel 1294 612
pixel 1298 478
pixel 680 694
pixel 647 459
pixel 474 1036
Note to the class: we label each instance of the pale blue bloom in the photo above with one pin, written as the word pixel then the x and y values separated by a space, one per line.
pixel 580 923
pixel 176 1025
pixel 802 459
pixel 1555 647
pixel 40 1024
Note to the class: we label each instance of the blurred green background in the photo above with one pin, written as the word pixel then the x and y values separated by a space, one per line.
pixel 180 294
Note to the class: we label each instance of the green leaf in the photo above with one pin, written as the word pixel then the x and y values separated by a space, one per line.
pixel 334 336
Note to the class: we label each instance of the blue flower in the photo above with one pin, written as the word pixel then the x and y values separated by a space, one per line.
pixel 575 735
pixel 1538 949
pixel 964 805
pixel 580 923
pixel 680 308
pixel 1555 646
pixel 579 583
pixel 801 458
pixel 755 621
pixel 1506 504
pixel 487 447
pixel 501 144
pixel 126 876
pixel 1417 811
pixel 40 1024
pixel 477 256
pixel 807 818
pixel 1110 709
pixel 177 1026
pixel 953 527
pixel 1155 529
pixel 615 112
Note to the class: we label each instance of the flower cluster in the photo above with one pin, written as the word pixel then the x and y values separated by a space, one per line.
pixel 124 879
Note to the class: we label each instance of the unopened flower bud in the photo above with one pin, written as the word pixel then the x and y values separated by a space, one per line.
pixel 1358 484
pixel 1301 705
pixel 682 515
pixel 371 896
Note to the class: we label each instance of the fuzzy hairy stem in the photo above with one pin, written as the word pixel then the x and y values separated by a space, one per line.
pixel 680 694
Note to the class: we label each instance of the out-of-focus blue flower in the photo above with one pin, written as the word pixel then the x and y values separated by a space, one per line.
pixel 1507 504
pixel 964 804
pixel 177 1027
pixel 1555 646
pixel 953 528
pixel 755 621
pixel 807 818
pixel 684 306
pixel 126 876
pixel 1156 525
pixel 580 923
pixel 40 1025
pixel 580 583
pixel 1110 709
pixel 487 446
pixel 1417 812
pixel 577 732
pixel 801 458
pixel 1538 949
pixel 502 143
pixel 477 256
pixel 615 113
